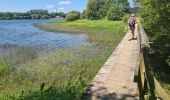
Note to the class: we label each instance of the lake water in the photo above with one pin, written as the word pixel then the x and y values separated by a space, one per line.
pixel 22 33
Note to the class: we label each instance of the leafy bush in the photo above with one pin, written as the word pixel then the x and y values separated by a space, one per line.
pixel 125 18
pixel 155 19
pixel 98 9
pixel 115 12
pixel 73 15
pixel 83 15
pixel 35 16
pixel 44 17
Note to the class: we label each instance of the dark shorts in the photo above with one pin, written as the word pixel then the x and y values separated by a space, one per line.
pixel 132 28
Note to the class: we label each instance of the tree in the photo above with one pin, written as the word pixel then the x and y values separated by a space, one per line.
pixel 83 15
pixel 39 11
pixel 61 14
pixel 116 12
pixel 35 16
pixel 73 15
pixel 98 9
pixel 155 19
pixel 32 14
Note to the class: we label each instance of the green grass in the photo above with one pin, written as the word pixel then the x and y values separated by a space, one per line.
pixel 102 31
pixel 3 67
pixel 64 75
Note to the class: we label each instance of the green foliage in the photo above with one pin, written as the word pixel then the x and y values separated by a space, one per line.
pixel 66 91
pixel 83 15
pixel 98 9
pixel 3 67
pixel 44 17
pixel 73 15
pixel 38 11
pixel 61 14
pixel 35 16
pixel 125 18
pixel 116 12
pixel 32 14
pixel 155 19
pixel 15 56
pixel 64 74
pixel 168 61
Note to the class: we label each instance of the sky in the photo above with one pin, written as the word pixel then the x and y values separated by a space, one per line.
pixel 51 5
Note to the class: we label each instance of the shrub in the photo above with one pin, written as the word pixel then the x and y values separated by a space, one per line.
pixel 83 15
pixel 97 9
pixel 116 12
pixel 44 17
pixel 35 16
pixel 155 18
pixel 125 18
pixel 73 15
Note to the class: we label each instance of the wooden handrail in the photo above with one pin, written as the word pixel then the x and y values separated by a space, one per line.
pixel 149 87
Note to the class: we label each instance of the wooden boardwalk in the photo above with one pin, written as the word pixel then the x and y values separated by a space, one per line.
pixel 115 80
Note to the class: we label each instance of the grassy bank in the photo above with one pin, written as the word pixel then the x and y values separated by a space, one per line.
pixel 98 31
pixel 63 75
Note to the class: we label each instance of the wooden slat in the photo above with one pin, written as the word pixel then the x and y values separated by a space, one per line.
pixel 142 71
pixel 159 91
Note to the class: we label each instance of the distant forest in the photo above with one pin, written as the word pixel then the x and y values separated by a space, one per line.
pixel 32 14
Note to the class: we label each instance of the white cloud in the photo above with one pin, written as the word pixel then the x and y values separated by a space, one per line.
pixel 64 2
pixel 49 6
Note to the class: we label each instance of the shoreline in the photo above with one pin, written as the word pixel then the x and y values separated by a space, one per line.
pixel 96 30
pixel 104 35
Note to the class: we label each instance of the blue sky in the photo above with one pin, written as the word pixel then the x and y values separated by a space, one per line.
pixel 51 5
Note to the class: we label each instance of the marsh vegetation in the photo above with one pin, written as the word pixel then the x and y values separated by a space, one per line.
pixel 65 73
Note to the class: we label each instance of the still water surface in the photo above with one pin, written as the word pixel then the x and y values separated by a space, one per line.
pixel 22 33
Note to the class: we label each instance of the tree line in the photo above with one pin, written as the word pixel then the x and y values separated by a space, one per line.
pixel 100 9
pixel 110 9
pixel 32 14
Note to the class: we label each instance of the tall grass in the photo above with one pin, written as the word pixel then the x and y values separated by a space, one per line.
pixel 64 75
pixel 13 56
pixel 3 67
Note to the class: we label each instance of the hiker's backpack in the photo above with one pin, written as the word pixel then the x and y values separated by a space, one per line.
pixel 132 21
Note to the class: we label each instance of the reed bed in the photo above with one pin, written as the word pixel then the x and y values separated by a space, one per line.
pixel 64 74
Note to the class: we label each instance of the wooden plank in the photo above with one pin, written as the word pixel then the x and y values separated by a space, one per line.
pixel 142 70
pixel 159 90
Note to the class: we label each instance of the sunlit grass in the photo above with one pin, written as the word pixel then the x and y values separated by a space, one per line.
pixel 3 67
pixel 97 30
pixel 64 74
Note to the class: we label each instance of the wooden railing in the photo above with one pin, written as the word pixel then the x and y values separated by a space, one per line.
pixel 149 87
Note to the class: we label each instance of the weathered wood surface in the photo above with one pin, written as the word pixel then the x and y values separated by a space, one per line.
pixel 144 41
pixel 115 80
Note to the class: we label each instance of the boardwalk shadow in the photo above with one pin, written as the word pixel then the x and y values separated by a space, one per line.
pixel 102 94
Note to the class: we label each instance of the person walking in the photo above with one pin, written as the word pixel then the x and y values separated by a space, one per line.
pixel 132 22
